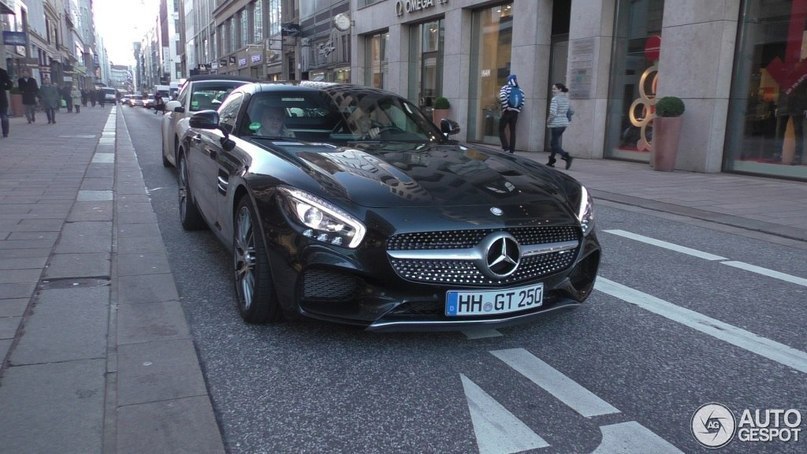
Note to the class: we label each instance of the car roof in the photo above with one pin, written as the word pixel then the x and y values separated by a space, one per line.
pixel 328 87
pixel 218 77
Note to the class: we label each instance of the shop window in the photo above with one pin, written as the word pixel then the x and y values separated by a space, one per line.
pixel 426 72
pixel 766 122
pixel 491 43
pixel 376 58
pixel 634 77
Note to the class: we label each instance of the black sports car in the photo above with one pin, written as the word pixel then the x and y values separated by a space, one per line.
pixel 347 204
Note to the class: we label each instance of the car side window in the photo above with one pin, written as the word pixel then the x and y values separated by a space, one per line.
pixel 183 95
pixel 228 112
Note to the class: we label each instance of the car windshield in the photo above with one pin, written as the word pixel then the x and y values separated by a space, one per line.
pixel 339 116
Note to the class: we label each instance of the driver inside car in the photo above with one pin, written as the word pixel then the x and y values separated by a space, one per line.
pixel 272 123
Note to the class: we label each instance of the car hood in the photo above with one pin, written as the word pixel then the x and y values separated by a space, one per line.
pixel 429 175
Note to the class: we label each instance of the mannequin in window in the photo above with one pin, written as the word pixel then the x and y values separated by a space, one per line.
pixel 791 106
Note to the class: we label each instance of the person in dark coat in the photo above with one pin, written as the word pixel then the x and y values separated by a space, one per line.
pixel 30 91
pixel 49 94
pixel 5 86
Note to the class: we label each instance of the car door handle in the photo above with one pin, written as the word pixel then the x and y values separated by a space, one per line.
pixel 213 154
pixel 197 138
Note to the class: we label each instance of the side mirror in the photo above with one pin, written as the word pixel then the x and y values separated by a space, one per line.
pixel 209 119
pixel 206 119
pixel 174 106
pixel 449 127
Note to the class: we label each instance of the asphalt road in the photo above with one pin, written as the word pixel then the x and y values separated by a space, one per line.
pixel 630 366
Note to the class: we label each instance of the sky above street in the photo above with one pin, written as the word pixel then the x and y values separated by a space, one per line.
pixel 122 22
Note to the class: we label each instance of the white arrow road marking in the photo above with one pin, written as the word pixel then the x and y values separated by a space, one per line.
pixel 766 272
pixel 497 430
pixel 665 245
pixel 772 350
pixel 629 437
pixel 562 387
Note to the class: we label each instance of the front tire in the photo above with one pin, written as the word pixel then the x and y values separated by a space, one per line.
pixel 255 293
pixel 189 214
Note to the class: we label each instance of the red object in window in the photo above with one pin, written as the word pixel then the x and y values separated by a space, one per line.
pixel 652 47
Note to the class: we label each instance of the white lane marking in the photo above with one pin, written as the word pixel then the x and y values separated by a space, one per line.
pixel 496 429
pixel 707 256
pixel 666 245
pixel 629 437
pixel 562 387
pixel 480 333
pixel 772 350
pixel 767 272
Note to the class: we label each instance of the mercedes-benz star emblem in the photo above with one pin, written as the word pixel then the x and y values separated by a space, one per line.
pixel 496 211
pixel 501 255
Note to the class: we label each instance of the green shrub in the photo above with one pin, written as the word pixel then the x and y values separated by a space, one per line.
pixel 441 103
pixel 669 106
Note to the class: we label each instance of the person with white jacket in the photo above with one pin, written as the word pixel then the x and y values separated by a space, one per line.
pixel 557 122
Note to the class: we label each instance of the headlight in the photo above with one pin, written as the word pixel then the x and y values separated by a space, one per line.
pixel 585 214
pixel 324 222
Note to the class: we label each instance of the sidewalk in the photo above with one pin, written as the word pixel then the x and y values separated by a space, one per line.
pixel 97 355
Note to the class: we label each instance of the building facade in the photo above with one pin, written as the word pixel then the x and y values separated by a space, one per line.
pixel 737 65
pixel 53 38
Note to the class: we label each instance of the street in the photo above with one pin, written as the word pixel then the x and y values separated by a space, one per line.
pixel 685 313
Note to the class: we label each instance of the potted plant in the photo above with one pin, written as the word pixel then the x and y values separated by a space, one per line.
pixel 666 130
pixel 440 110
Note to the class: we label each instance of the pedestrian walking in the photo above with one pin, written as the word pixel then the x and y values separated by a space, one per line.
pixel 64 93
pixel 49 96
pixel 75 96
pixel 557 122
pixel 93 95
pixel 511 99
pixel 30 92
pixel 5 86
pixel 100 96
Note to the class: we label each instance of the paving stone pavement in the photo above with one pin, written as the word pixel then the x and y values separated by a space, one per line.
pixel 95 348
pixel 97 354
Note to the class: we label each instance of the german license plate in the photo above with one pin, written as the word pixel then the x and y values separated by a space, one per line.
pixel 488 302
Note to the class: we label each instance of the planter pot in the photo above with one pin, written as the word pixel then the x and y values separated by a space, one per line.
pixel 666 131
pixel 17 109
pixel 439 114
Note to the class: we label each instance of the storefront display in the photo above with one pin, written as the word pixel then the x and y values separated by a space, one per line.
pixel 765 130
pixel 634 78
pixel 492 37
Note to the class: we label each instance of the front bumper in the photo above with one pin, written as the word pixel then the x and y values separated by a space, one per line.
pixel 331 287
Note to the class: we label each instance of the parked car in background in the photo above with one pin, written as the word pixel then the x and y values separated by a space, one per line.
pixel 197 93
pixel 347 204
pixel 136 101
pixel 148 101
pixel 110 94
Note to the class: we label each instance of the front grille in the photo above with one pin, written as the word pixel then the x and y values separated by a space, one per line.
pixel 328 285
pixel 465 272
pixel 458 239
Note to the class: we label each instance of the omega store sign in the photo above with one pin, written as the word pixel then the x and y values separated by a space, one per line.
pixel 413 6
